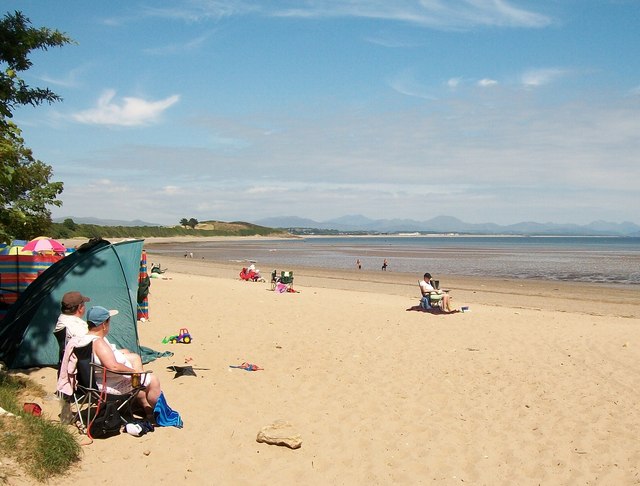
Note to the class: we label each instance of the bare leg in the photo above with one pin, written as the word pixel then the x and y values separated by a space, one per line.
pixel 149 396
pixel 446 302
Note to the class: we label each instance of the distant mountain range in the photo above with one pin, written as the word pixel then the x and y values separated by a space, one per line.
pixel 439 224
pixel 449 224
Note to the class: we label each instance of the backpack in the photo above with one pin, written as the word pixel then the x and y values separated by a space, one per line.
pixel 107 423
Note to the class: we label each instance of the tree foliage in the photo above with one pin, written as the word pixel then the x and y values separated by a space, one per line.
pixel 17 40
pixel 190 223
pixel 63 231
pixel 70 224
pixel 25 187
pixel 25 190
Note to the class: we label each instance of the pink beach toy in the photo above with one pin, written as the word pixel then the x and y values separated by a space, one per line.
pixel 247 367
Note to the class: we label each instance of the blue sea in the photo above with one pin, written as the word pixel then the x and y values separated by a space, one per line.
pixel 580 259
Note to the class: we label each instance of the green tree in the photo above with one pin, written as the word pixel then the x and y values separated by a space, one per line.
pixel 70 224
pixel 25 190
pixel 193 222
pixel 184 222
pixel 17 40
pixel 25 187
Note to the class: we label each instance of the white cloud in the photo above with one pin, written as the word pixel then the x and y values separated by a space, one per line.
pixel 69 81
pixel 635 91
pixel 427 13
pixel 486 82
pixel 406 84
pixel 101 182
pixel 387 42
pixel 197 10
pixel 454 82
pixel 540 77
pixel 130 112
pixel 171 190
pixel 107 186
pixel 177 48
pixel 452 14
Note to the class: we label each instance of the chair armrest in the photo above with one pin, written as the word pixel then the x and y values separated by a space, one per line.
pixel 137 378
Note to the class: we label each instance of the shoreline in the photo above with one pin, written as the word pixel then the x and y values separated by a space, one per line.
pixel 588 298
pixel 595 298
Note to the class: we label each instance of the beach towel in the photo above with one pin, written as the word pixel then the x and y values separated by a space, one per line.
pixel 164 415
pixel 148 354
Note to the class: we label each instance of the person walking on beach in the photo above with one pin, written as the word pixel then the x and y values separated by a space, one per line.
pixel 384 265
pixel 358 264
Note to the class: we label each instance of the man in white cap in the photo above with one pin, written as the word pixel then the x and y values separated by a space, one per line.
pixel 72 308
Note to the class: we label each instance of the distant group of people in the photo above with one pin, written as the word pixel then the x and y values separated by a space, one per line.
pixel 432 296
pixel 251 274
pixel 385 264
pixel 95 330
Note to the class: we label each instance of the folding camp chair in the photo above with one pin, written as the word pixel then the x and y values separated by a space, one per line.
pixel 430 301
pixel 61 338
pixel 287 279
pixel 88 398
pixel 66 416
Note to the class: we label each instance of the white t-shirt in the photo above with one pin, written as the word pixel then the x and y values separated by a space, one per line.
pixel 75 325
pixel 426 287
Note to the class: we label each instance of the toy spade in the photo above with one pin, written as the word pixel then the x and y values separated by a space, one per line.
pixel 184 370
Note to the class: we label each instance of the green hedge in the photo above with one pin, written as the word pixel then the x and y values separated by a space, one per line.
pixel 60 231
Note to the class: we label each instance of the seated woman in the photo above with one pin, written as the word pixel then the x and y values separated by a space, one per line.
pixel 254 273
pixel 105 354
pixel 157 268
pixel 430 293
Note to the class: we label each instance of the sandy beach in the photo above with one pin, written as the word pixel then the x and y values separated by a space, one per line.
pixel 537 384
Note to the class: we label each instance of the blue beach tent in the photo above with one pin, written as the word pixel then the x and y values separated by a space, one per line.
pixel 107 273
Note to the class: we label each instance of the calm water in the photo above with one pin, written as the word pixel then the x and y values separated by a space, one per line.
pixel 603 260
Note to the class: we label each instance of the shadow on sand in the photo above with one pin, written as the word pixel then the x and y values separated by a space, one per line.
pixel 418 308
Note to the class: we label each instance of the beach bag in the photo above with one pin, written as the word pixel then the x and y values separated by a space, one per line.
pixel 107 423
pixel 143 288
pixel 33 408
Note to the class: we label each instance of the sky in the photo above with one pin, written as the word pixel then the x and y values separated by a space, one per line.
pixel 233 110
